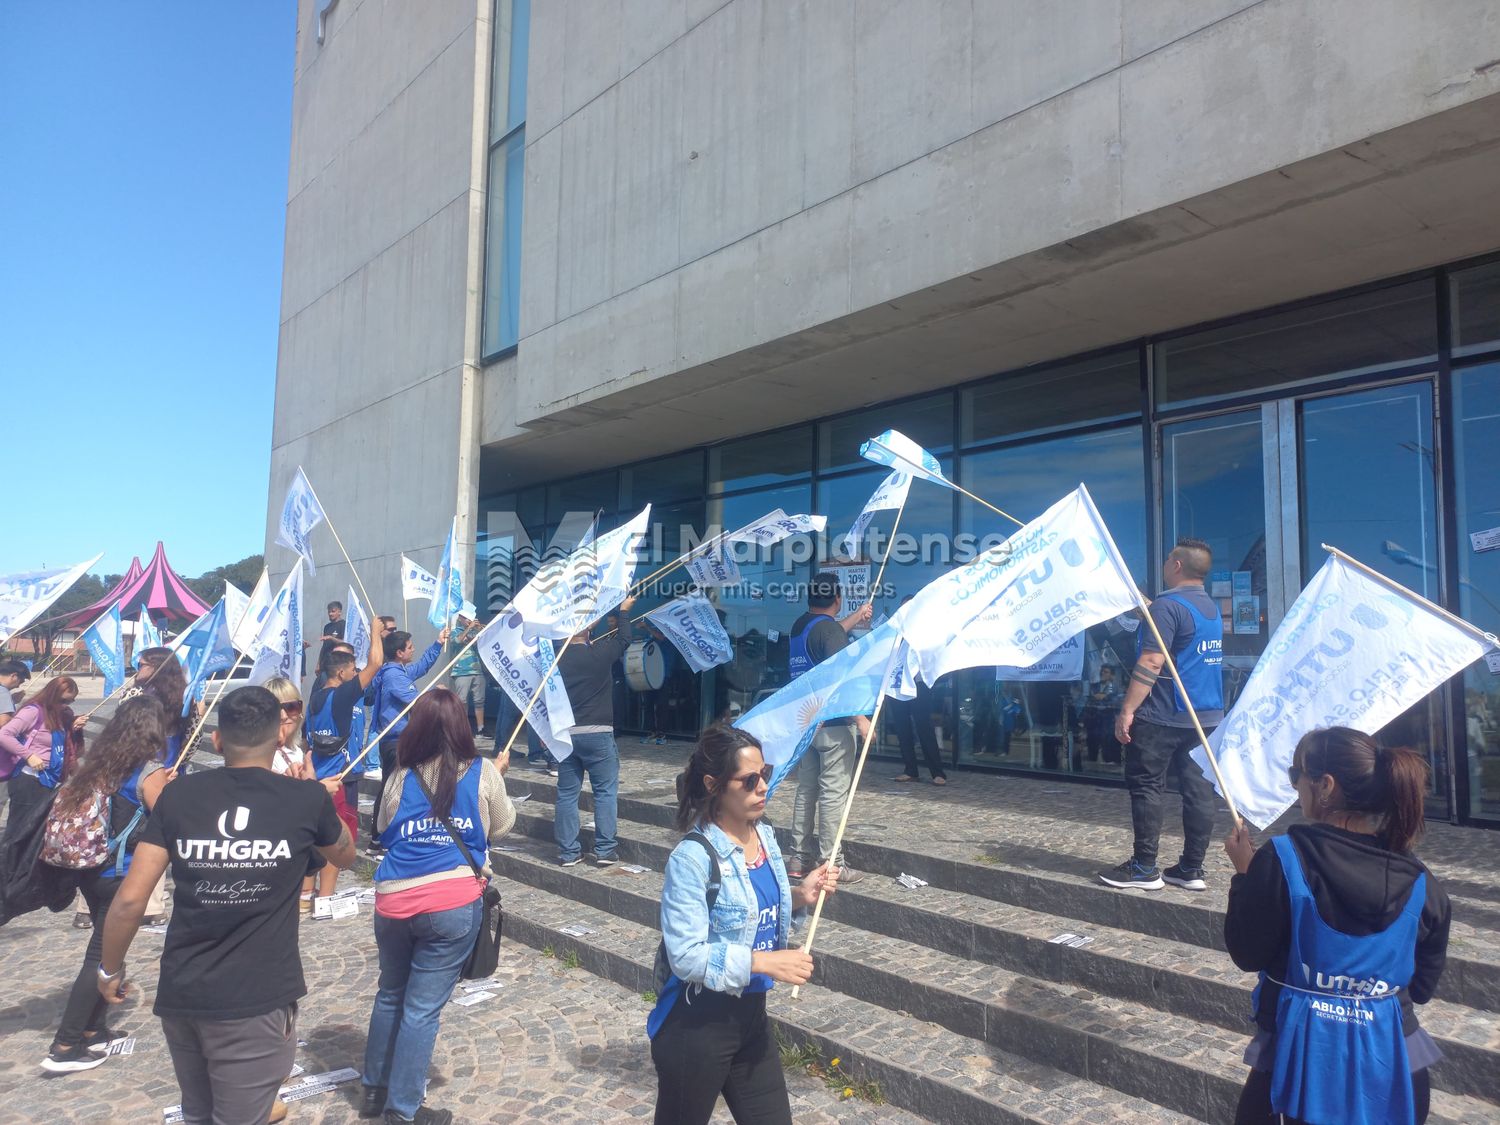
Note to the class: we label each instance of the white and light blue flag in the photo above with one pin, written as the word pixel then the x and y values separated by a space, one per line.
pixel 897 451
pixel 204 648
pixel 692 624
pixel 251 619
pixel 25 596
pixel 1353 651
pixel 236 605
pixel 1020 599
pixel 568 595
pixel 846 684
pixel 518 663
pixel 448 594
pixel 300 513
pixel 417 582
pixel 357 629
pixel 890 495
pixel 1064 663
pixel 277 648
pixel 147 635
pixel 715 568
pixel 105 640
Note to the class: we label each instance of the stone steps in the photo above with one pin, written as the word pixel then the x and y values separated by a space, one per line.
pixel 917 1064
pixel 1171 977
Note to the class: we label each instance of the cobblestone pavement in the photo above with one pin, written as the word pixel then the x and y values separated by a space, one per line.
pixel 554 1044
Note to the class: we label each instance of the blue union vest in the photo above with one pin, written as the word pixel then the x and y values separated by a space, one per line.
pixel 416 842
pixel 323 725
pixel 1340 1052
pixel 1201 661
pixel 798 661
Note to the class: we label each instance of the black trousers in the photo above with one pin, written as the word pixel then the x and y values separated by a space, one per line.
pixel 1255 1100
pixel 85 1009
pixel 914 717
pixel 1153 752
pixel 719 1044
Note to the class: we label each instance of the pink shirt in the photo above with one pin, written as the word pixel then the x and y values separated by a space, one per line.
pixel 429 898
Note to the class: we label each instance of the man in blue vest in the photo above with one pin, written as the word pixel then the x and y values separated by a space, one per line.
pixel 1156 730
pixel 824 773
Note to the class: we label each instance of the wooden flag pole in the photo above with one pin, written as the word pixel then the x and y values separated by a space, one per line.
pixel 537 694
pixel 362 591
pixel 986 503
pixel 879 574
pixel 838 839
pixel 437 679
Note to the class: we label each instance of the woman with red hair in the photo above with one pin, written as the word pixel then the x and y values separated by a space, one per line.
pixel 443 805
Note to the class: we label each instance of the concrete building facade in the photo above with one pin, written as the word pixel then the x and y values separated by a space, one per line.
pixel 1225 261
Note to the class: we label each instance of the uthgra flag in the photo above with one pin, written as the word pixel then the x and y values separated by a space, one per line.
pixel 448 593
pixel 147 635
pixel 692 625
pixel 24 597
pixel 417 582
pixel 897 451
pixel 890 495
pixel 105 639
pixel 569 595
pixel 518 663
pixel 357 629
pixel 205 648
pixel 245 628
pixel 300 513
pixel 1352 652
pixel 277 649
pixel 1019 600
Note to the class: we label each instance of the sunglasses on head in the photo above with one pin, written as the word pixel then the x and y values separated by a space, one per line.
pixel 750 782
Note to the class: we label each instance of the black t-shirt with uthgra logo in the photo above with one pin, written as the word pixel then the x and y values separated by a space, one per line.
pixel 239 841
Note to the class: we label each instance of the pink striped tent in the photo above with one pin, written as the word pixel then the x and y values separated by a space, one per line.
pixel 157 587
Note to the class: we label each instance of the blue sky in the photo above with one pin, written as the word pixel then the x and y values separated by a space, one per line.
pixel 142 201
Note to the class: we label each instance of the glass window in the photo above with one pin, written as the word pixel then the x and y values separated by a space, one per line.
pixel 1385 328
pixel 1030 402
pixel 590 494
pixel 506 176
pixel 663 480
pixel 1053 724
pixel 1476 400
pixel 1476 309
pixel 927 421
pixel 759 612
pixel 753 462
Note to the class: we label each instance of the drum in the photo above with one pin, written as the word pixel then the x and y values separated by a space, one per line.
pixel 645 666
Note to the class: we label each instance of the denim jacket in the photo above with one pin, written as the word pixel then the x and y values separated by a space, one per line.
pixel 713 950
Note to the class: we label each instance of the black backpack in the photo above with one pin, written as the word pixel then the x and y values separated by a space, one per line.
pixel 662 970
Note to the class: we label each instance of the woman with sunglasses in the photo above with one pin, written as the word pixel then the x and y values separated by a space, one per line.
pixel 292 759
pixel 725 919
pixel 1348 931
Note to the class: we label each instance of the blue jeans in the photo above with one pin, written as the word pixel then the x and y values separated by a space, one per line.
pixel 596 754
pixel 420 959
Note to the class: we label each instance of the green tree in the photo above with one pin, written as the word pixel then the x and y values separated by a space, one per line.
pixel 244 574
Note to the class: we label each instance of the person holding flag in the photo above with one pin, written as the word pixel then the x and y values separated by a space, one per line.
pixel 464 677
pixel 159 674
pixel 395 685
pixel 1155 722
pixel 335 727
pixel 1338 916
pixel 825 770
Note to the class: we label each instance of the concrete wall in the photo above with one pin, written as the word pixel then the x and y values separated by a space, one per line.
pixel 376 390
pixel 741 213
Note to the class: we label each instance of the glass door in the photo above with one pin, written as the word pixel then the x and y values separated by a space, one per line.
pixel 1367 484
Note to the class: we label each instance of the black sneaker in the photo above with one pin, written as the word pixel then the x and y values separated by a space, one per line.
pixel 372 1101
pixel 603 860
pixel 1188 878
pixel 1130 875
pixel 76 1057
pixel 574 862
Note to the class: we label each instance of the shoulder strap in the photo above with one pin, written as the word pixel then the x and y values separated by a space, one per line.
pixel 715 879
pixel 1291 867
pixel 448 824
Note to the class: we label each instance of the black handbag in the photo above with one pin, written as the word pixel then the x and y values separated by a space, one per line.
pixel 484 958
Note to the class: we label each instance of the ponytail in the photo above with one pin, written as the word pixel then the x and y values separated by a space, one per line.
pixel 1403 774
pixel 1388 783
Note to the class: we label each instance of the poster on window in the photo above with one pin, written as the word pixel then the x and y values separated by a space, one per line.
pixel 854 584
pixel 1065 662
